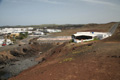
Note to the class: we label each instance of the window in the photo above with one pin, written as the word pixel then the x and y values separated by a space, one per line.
pixel 83 37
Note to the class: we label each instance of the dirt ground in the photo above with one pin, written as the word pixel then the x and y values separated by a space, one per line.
pixel 92 61
pixel 87 27
pixel 96 60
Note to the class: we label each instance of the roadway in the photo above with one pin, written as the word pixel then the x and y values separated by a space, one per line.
pixel 113 28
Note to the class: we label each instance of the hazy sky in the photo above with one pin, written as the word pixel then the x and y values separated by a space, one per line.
pixel 35 12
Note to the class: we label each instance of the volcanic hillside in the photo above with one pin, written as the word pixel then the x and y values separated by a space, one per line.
pixel 96 60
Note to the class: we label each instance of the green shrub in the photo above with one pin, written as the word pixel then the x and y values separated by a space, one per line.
pixel 22 35
pixel 71 41
pixel 95 39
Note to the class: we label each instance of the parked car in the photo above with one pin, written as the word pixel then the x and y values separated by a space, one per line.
pixel 4 44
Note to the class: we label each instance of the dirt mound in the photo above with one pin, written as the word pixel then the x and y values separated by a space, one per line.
pixel 24 51
pixel 31 49
pixel 62 50
pixel 5 56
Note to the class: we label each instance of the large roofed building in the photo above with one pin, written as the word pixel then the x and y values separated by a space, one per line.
pixel 88 36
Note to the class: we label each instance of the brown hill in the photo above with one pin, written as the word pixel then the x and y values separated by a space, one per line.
pixel 97 60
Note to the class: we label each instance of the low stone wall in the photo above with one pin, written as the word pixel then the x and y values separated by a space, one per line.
pixel 56 38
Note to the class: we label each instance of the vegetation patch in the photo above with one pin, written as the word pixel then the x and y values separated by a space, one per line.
pixel 82 50
pixel 22 35
pixel 66 60
pixel 76 52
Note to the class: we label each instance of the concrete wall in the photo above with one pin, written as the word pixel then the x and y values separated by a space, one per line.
pixel 57 38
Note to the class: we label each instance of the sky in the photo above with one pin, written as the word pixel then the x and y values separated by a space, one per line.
pixel 36 12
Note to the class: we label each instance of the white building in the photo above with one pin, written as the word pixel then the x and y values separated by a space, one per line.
pixel 30 28
pixel 53 30
pixel 1 41
pixel 30 32
pixel 14 30
pixel 8 42
pixel 88 36
pixel 38 33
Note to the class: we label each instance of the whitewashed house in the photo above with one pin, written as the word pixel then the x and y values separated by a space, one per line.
pixel 38 33
pixel 88 36
pixel 30 32
pixel 53 30
pixel 30 28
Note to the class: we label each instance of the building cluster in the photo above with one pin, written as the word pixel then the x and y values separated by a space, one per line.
pixel 44 31
pixel 13 32
pixel 30 30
